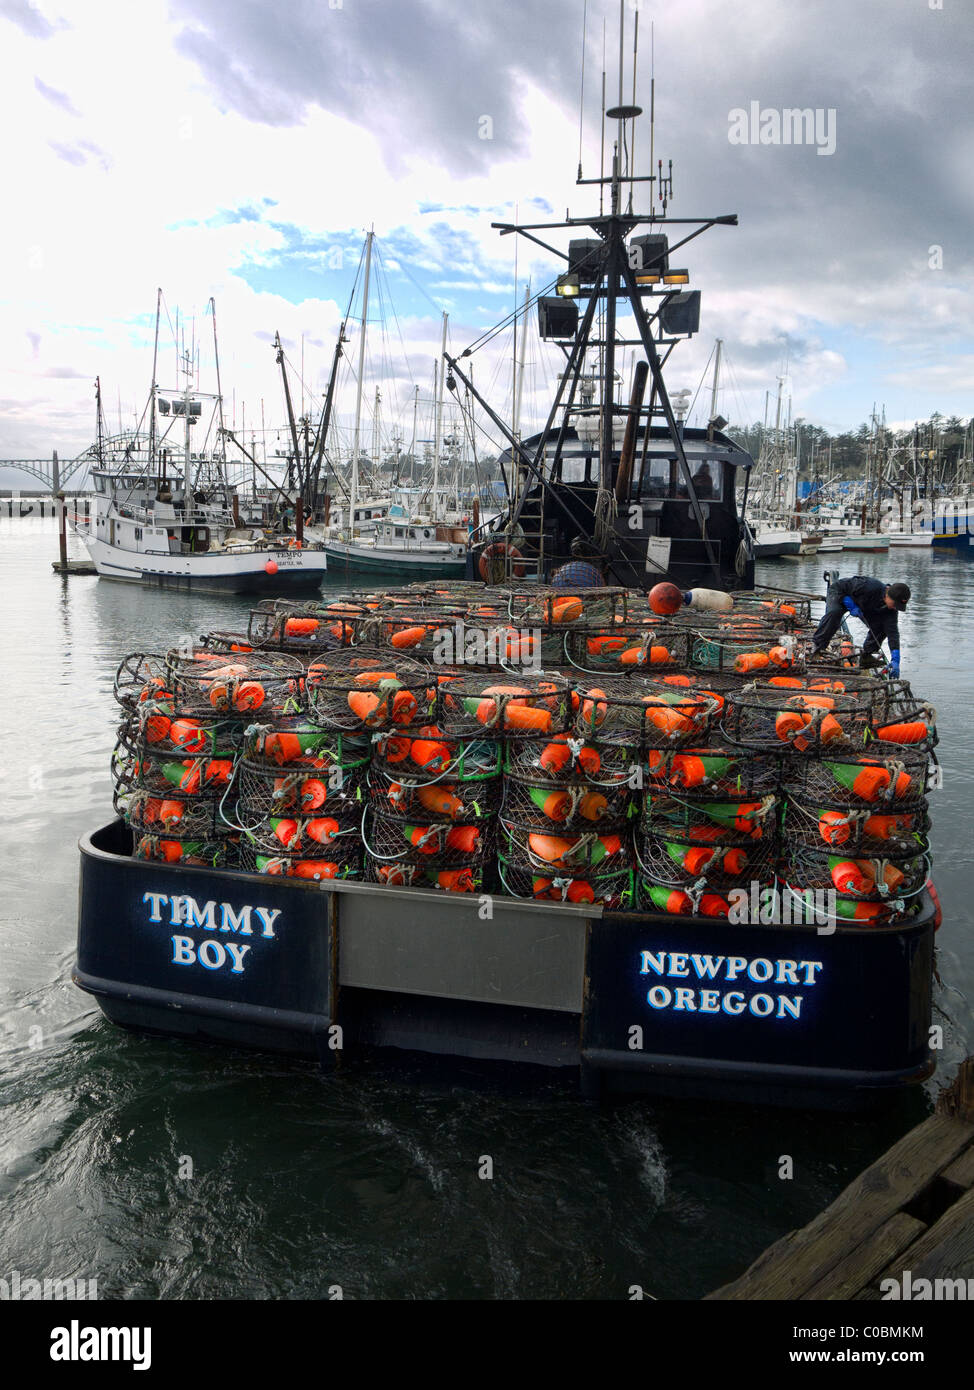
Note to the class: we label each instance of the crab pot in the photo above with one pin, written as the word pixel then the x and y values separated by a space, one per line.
pixel 427 853
pixel 354 691
pixel 855 832
pixel 522 705
pixel 631 647
pixel 141 677
pixel 759 651
pixel 224 642
pixel 590 853
pixel 247 686
pixel 185 817
pixel 765 717
pixel 560 608
pixel 158 731
pixel 577 806
pixel 212 853
pixel 302 628
pixel 568 760
pixel 784 612
pixel 645 713
pixel 743 820
pixel 322 835
pixel 885 879
pixel 341 857
pixel 169 774
pixel 297 742
pixel 718 772
pixel 306 788
pixel 431 757
pixel 902 726
pixel 713 857
pixel 610 890
pixel 887 785
pixel 452 801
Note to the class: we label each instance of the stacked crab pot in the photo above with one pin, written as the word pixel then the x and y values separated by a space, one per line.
pixel 180 741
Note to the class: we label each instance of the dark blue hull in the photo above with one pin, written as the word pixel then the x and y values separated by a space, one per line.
pixel 631 1001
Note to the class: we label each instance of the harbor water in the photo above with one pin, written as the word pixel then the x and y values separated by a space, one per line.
pixel 170 1170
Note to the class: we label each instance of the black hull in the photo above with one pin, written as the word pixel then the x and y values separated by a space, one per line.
pixel 329 971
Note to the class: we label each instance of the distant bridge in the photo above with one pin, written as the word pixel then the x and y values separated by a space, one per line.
pixel 117 450
pixel 52 473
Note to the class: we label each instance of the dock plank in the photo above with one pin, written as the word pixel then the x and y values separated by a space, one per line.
pixel 944 1251
pixel 864 1264
pixel 961 1171
pixel 802 1259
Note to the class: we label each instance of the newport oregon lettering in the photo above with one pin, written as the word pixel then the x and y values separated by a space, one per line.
pixel 216 952
pixel 703 974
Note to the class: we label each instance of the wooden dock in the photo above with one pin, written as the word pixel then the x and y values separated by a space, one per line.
pixel 912 1210
pixel 74 567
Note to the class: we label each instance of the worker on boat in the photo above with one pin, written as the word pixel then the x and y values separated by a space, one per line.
pixel 876 604
pixel 703 482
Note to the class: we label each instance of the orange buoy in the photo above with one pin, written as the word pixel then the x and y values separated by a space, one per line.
pixel 834 827
pixel 314 868
pixel 788 725
pixel 780 656
pixel 593 806
pixel 785 682
pixel 464 838
pixel 603 646
pixel 886 827
pixel 439 801
pixel 913 732
pixel 594 707
pixel 428 753
pixel 455 880
pixel 408 637
pixel 550 848
pixel 751 661
pixel 300 627
pixel 157 728
pixel 248 695
pixel 171 812
pixel 566 610
pixel 188 734
pixel 851 875
pixel 314 794
pixel 665 599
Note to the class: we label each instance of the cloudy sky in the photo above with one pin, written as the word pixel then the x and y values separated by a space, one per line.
pixel 240 150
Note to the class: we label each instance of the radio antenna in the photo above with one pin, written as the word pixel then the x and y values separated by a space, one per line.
pixel 632 128
pixel 652 111
pixel 581 95
pixel 602 152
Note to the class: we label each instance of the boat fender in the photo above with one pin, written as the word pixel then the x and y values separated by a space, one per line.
pixel 938 915
pixel 708 600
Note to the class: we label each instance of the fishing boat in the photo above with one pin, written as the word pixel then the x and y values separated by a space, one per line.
pixel 165 514
pixel 572 824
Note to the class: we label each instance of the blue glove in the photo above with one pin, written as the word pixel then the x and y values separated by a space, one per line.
pixel 894 663
pixel 852 606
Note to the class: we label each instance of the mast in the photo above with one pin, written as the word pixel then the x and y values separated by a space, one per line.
pixel 713 392
pixel 356 437
pixel 292 425
pixel 152 397
pixel 219 395
pixel 438 432
pixel 519 380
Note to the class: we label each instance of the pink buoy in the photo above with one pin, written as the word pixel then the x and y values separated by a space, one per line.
pixel 270 567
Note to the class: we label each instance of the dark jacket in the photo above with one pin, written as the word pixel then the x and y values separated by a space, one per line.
pixel 868 596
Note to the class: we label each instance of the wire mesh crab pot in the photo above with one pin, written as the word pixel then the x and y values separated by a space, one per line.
pixel 645 714
pixel 766 716
pixel 303 628
pixel 431 757
pixel 185 817
pixel 249 685
pixel 454 802
pixel 157 731
pixel 623 648
pixel 136 767
pixel 577 806
pixel 319 836
pixel 590 867
pixel 746 820
pixel 298 743
pixel 758 650
pixel 706 855
pixel 715 772
pixel 900 724
pixel 340 857
pixel 821 906
pixel 353 691
pixel 142 677
pixel 855 832
pixel 212 853
pixel 432 854
pixel 885 785
pixel 310 787
pixel 887 878
pixel 697 900
pixel 568 760
pixel 558 609
pixel 522 705
pixel 787 612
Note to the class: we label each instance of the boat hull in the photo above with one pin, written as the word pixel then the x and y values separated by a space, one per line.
pixel 330 970
pixel 391 564
pixel 297 571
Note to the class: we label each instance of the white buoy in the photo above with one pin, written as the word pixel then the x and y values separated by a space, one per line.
pixel 710 600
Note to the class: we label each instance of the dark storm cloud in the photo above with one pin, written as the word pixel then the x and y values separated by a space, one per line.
pixel 29 18
pixel 420 74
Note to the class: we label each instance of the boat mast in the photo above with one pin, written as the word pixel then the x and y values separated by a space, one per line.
pixel 713 391
pixel 438 432
pixel 356 437
pixel 152 397
pixel 219 403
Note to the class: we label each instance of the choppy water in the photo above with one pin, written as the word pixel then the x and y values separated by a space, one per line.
pixel 370 1180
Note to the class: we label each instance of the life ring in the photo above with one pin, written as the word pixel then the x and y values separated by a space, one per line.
pixel 500 550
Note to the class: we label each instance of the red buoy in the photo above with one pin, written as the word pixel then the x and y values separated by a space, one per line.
pixel 270 567
pixel 665 599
